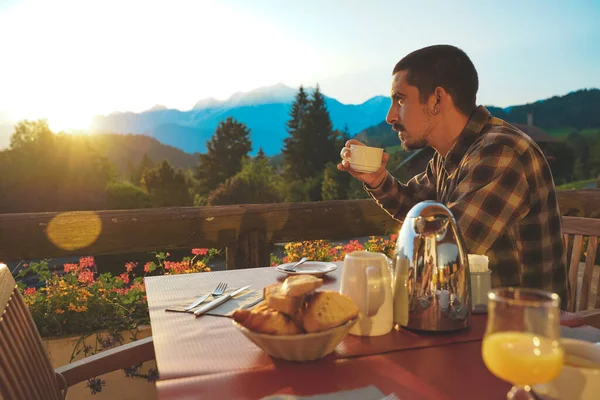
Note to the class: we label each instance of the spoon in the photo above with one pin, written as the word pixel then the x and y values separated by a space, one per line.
pixel 293 267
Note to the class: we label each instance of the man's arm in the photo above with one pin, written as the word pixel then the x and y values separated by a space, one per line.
pixel 397 198
pixel 491 194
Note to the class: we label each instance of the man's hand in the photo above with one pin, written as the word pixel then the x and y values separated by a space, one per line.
pixel 372 179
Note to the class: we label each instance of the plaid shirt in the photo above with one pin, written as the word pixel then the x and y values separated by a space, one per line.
pixel 499 187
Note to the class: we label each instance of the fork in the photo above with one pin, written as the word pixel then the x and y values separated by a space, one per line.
pixel 219 290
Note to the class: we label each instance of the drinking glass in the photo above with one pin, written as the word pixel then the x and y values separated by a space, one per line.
pixel 522 340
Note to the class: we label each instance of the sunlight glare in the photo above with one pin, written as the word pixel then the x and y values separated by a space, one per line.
pixel 74 230
pixel 94 60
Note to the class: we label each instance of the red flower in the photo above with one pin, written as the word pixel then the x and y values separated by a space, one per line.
pixel 352 246
pixel 86 276
pixel 124 277
pixel 200 252
pixel 130 266
pixel 31 291
pixel 71 268
pixel 147 267
pixel 170 265
pixel 86 262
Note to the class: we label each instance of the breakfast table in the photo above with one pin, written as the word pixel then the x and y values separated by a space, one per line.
pixel 207 357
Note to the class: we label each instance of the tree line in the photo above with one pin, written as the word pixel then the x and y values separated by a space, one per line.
pixel 43 171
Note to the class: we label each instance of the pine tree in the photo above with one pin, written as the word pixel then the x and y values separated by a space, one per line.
pixel 293 150
pixel 137 173
pixel 311 143
pixel 320 138
pixel 223 159
pixel 260 155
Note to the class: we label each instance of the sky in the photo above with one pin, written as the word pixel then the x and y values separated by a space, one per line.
pixel 69 60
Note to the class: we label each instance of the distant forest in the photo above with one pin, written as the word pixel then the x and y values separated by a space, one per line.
pixel 44 171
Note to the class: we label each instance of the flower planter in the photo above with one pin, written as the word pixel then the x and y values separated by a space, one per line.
pixel 77 299
pixel 118 385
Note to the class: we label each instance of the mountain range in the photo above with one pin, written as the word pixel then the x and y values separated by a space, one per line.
pixel 175 135
pixel 265 111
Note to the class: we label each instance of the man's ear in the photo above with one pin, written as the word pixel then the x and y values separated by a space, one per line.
pixel 438 98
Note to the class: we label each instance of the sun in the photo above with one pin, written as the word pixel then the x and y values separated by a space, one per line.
pixel 69 123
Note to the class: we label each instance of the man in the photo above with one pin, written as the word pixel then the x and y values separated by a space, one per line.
pixel 493 177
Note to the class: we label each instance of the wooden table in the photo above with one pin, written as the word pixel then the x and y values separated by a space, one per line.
pixel 206 357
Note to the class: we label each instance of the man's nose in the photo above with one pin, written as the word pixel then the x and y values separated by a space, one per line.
pixel 392 116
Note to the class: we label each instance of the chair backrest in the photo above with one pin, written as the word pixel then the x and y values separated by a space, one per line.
pixel 25 369
pixel 583 293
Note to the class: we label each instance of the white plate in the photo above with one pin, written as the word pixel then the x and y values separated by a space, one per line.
pixel 315 268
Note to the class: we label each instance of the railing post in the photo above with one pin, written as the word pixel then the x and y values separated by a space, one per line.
pixel 251 249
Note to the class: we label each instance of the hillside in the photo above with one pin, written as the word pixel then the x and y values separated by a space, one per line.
pixel 578 110
pixel 124 151
pixel 558 115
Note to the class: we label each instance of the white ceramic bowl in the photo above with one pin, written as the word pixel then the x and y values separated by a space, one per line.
pixel 300 347
pixel 576 383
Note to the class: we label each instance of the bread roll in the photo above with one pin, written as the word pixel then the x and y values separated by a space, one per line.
pixel 267 290
pixel 299 285
pixel 327 309
pixel 266 321
pixel 277 301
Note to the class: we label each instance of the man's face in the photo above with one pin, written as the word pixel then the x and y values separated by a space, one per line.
pixel 407 115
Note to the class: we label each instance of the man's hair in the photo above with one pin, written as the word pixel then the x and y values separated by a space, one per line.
pixel 446 66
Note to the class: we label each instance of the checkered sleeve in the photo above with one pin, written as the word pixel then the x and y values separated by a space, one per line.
pixel 397 198
pixel 490 194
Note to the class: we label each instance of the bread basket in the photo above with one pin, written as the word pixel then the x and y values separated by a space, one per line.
pixel 300 347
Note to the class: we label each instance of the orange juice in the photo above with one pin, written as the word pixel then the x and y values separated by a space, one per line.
pixel 522 358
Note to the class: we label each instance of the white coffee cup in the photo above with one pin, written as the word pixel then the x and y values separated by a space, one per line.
pixel 362 158
pixel 367 281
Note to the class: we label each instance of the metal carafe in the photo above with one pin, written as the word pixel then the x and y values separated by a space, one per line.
pixel 431 280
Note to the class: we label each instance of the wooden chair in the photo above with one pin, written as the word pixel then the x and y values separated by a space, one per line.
pixel 582 275
pixel 25 369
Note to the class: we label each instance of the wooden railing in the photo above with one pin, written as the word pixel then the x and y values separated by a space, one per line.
pixel 246 231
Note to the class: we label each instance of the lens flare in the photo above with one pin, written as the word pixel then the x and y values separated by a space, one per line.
pixel 74 230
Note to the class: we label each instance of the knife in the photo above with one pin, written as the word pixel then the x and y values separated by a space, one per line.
pixel 219 301
pixel 197 302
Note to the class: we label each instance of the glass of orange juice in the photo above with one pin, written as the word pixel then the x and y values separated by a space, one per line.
pixel 521 344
